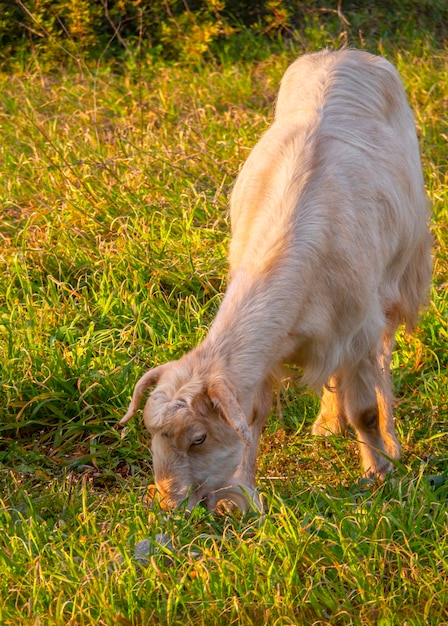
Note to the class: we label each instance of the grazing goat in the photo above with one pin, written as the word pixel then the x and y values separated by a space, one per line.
pixel 330 253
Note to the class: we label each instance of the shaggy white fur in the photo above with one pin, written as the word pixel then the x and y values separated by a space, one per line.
pixel 330 253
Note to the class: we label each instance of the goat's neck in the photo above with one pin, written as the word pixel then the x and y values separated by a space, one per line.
pixel 248 334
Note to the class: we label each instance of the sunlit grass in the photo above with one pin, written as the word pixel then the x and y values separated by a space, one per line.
pixel 67 556
pixel 113 239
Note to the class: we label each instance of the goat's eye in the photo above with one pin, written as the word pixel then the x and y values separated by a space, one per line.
pixel 198 440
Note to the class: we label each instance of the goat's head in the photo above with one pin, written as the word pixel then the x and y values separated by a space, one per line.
pixel 200 438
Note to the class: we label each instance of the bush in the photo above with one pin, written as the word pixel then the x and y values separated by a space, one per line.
pixel 185 30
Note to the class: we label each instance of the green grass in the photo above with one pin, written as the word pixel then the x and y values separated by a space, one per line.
pixel 113 239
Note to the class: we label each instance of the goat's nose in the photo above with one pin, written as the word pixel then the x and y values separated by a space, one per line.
pixel 165 503
pixel 150 494
pixel 166 500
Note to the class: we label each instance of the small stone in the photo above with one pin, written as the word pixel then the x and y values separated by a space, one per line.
pixel 165 541
pixel 145 549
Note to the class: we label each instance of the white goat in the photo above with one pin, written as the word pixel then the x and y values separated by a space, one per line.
pixel 330 253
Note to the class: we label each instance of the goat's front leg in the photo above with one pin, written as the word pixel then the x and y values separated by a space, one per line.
pixel 261 405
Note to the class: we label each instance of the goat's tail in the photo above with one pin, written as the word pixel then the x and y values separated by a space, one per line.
pixel 415 283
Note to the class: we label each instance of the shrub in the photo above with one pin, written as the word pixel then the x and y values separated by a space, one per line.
pixel 185 30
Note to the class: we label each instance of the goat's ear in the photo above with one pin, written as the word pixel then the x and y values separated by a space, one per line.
pixel 147 380
pixel 224 399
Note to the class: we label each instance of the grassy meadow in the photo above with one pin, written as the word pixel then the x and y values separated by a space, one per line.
pixel 113 240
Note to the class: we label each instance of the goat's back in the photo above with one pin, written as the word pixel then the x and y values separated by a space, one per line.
pixel 331 200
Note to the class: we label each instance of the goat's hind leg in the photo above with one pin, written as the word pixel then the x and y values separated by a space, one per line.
pixel 367 397
pixel 385 395
pixel 331 418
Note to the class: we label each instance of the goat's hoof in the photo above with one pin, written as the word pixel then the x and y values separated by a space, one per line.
pixel 379 473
